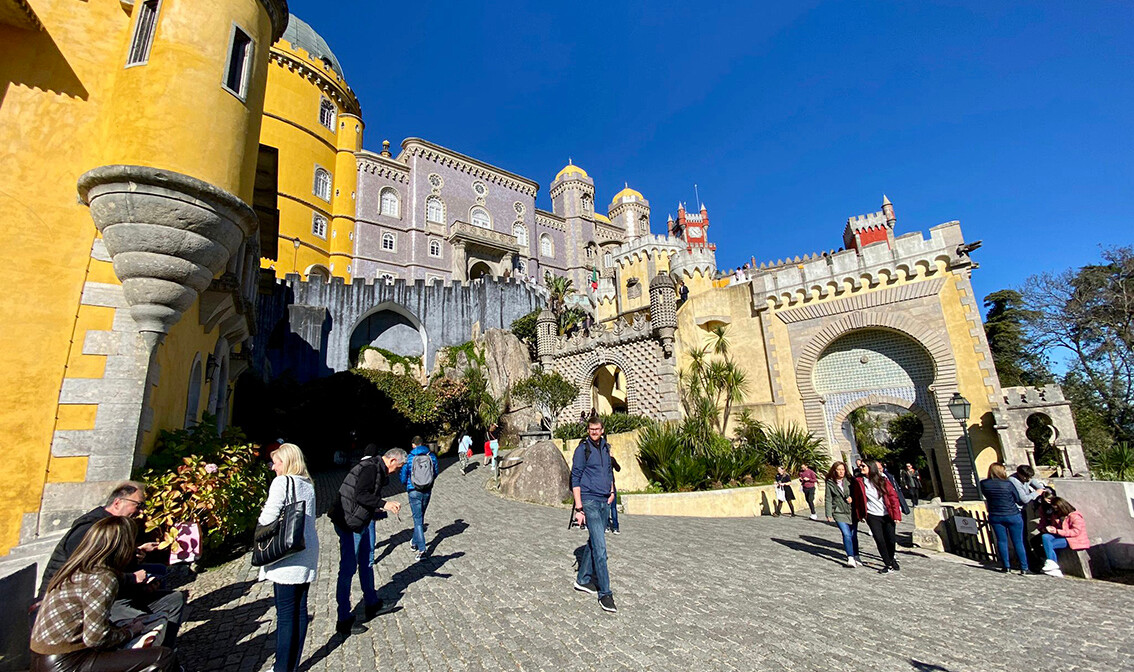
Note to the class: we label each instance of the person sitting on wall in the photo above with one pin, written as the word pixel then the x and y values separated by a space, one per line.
pixel 1064 527
pixel 139 591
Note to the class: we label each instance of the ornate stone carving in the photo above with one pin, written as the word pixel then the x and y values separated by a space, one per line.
pixel 167 234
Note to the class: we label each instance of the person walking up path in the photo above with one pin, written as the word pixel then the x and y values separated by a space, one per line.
pixel 291 576
pixel 910 481
pixel 418 474
pixel 808 479
pixel 359 498
pixel 592 486
pixel 876 502
pixel 1004 502
pixel 838 505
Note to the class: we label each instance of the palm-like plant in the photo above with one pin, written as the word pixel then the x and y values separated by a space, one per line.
pixel 791 446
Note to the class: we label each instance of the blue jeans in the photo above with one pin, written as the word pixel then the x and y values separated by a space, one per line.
pixel 356 553
pixel 614 513
pixel 1050 543
pixel 419 502
pixel 291 625
pixel 592 566
pixel 1005 526
pixel 850 538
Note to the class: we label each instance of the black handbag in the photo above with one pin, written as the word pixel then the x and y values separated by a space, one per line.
pixel 284 537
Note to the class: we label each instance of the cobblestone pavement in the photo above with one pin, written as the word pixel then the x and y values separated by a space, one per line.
pixel 693 594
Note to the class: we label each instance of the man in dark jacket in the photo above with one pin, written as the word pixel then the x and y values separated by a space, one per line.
pixel 592 485
pixel 352 514
pixel 138 593
pixel 911 482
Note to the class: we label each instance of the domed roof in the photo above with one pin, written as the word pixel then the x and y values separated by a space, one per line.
pixel 301 35
pixel 635 195
pixel 572 169
pixel 602 218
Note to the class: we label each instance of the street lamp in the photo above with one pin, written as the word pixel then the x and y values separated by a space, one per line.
pixel 959 407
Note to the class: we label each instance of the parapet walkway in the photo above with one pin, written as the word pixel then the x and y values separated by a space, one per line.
pixel 693 594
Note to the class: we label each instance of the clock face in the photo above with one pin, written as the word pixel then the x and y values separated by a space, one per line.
pixel 693 232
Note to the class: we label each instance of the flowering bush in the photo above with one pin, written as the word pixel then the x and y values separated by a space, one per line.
pixel 215 481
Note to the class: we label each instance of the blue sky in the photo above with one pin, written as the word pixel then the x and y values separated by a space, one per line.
pixel 1014 118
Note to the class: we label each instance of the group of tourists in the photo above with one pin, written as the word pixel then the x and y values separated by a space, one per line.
pixel 1022 508
pixel 869 495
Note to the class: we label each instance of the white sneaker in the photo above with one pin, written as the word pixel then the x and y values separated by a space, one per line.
pixel 1051 568
pixel 814 517
pixel 851 562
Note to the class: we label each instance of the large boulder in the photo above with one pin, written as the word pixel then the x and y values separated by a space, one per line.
pixel 537 474
pixel 505 360
pixel 372 358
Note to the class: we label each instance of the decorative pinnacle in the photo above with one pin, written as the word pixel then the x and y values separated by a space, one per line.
pixel 885 201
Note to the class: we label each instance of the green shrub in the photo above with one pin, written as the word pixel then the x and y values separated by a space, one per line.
pixel 790 446
pixel 524 328
pixel 1115 463
pixel 673 460
pixel 615 423
pixel 408 361
pixel 216 481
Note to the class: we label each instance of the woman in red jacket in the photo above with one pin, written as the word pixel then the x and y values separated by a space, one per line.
pixel 1064 528
pixel 877 503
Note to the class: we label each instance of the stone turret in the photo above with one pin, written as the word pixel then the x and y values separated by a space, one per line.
pixel 663 310
pixel 545 337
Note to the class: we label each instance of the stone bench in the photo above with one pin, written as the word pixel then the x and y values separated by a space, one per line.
pixel 1074 563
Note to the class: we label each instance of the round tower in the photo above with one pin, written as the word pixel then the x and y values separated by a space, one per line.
pixel 630 211
pixel 663 310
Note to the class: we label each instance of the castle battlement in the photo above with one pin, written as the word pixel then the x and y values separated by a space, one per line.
pixel 871 220
pixel 400 285
pixel 1024 395
pixel 912 255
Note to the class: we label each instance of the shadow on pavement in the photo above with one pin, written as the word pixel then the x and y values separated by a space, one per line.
pixel 823 552
pixel 927 667
pixel 428 566
pixel 451 530
pixel 391 543
pixel 202 643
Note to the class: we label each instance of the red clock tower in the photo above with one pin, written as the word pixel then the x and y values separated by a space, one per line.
pixel 692 228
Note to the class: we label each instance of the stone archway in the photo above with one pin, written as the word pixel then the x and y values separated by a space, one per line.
pixel 932 444
pixel 953 462
pixel 480 269
pixel 608 390
pixel 389 326
pixel 597 360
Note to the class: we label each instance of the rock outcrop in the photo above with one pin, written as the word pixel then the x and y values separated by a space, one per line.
pixel 536 474
pixel 374 359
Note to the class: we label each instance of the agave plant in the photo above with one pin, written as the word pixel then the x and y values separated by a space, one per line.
pixel 791 446
pixel 1115 463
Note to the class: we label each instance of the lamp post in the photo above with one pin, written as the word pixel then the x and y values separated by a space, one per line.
pixel 959 407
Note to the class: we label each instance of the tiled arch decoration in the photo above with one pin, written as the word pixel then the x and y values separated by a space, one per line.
pixel 943 387
pixel 590 364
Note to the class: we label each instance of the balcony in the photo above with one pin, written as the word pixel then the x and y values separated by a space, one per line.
pixel 463 233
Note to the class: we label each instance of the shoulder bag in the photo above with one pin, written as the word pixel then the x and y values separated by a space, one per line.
pixel 284 537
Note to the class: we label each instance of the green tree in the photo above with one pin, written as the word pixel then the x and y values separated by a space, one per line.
pixel 904 443
pixel 1016 359
pixel 550 393
pixel 524 328
pixel 866 427
pixel 1088 314
pixel 561 289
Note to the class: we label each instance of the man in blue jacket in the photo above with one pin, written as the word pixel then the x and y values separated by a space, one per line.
pixel 592 485
pixel 418 474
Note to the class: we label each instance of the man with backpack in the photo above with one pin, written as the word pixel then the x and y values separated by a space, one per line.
pixel 418 475
pixel 592 485
pixel 359 498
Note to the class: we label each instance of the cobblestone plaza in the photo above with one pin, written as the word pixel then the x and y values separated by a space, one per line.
pixel 496 593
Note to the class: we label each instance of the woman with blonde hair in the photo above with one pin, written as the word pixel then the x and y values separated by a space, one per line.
pixel 1003 501
pixel 72 630
pixel 292 575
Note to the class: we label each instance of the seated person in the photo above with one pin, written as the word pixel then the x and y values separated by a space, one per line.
pixel 138 591
pixel 73 628
pixel 1063 527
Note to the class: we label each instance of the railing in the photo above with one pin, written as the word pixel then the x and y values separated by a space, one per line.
pixel 970 535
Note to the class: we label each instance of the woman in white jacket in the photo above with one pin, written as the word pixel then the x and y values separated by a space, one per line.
pixel 294 574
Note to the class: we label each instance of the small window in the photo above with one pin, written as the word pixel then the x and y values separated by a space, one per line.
pixel 322 184
pixel 435 248
pixel 545 246
pixel 434 211
pixel 607 260
pixel 480 218
pixel 319 225
pixel 327 113
pixel 143 33
pixel 390 202
pixel 588 204
pixel 521 233
pixel 389 242
pixel 239 63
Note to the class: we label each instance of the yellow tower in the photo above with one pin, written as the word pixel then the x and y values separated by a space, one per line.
pixel 313 118
pixel 131 297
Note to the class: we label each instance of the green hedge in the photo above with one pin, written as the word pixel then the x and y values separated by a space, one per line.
pixel 615 423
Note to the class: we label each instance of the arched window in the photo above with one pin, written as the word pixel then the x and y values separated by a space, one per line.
pixel 389 242
pixel 588 203
pixel 521 233
pixel 327 113
pixel 322 187
pixel 390 202
pixel 545 246
pixel 479 217
pixel 319 225
pixel 434 210
pixel 318 271
pixel 193 396
pixel 607 260
pixel 435 248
